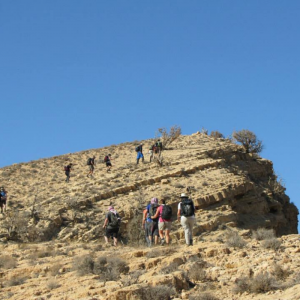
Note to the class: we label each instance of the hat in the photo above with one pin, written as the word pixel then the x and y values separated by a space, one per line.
pixel 154 201
pixel 183 195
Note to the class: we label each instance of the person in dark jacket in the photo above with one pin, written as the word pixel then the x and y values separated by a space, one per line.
pixel 112 224
pixel 68 171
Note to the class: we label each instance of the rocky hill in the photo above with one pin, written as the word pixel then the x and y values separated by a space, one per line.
pixel 52 236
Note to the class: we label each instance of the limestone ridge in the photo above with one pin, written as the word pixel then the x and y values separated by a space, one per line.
pixel 229 187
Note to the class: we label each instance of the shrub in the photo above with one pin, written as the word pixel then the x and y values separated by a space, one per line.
pixel 7 262
pixel 234 240
pixel 83 265
pixel 202 296
pixel 263 234
pixel 271 244
pixel 276 185
pixel 52 284
pixel 169 137
pixel 249 141
pixel 261 283
pixel 280 273
pixel 161 292
pixel 196 272
pixel 170 268
pixel 216 135
pixel 16 280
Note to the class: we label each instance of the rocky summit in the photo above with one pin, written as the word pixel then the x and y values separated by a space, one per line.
pixel 245 243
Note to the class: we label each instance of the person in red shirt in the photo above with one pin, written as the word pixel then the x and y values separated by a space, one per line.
pixel 164 225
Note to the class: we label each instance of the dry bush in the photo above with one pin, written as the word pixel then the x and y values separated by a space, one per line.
pixel 160 292
pixel 7 262
pixel 202 296
pixel 249 141
pixel 132 278
pixel 109 269
pixel 280 273
pixel 52 284
pixel 217 135
pixel 169 137
pixel 277 185
pixel 261 283
pixel 16 280
pixel 271 244
pixel 172 267
pixel 263 234
pixel 196 272
pixel 234 240
pixel 83 265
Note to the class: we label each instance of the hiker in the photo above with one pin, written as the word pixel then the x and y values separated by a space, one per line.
pixel 112 223
pixel 67 170
pixel 145 216
pixel 91 164
pixel 3 198
pixel 164 212
pixel 107 160
pixel 159 146
pixel 151 225
pixel 151 152
pixel 186 214
pixel 139 150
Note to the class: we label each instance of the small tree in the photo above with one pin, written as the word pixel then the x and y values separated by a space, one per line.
pixel 249 141
pixel 171 136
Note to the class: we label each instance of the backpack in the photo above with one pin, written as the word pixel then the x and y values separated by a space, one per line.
pixel 187 208
pixel 153 209
pixel 89 161
pixel 158 144
pixel 106 158
pixel 114 221
pixel 166 212
pixel 137 149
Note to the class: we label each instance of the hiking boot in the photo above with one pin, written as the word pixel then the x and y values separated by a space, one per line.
pixel 162 242
pixel 191 242
pixel 150 244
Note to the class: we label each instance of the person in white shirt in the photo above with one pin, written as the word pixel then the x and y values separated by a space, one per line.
pixel 186 214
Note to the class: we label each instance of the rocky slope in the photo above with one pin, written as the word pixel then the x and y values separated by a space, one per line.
pixel 234 192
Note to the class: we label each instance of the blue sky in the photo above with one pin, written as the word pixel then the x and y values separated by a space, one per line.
pixel 76 75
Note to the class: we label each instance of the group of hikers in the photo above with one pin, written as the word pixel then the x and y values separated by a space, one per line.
pixel 157 221
pixel 154 151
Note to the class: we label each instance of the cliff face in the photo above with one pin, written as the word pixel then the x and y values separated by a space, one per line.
pixel 229 187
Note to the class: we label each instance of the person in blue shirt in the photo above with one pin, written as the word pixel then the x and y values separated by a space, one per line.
pixel 3 198
pixel 151 225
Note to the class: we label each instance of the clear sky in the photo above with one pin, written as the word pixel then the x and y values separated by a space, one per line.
pixel 76 75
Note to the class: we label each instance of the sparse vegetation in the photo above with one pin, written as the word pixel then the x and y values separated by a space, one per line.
pixel 249 141
pixel 277 185
pixel 202 296
pixel 109 268
pixel 16 280
pixel 53 284
pixel 7 262
pixel 263 234
pixel 234 240
pixel 169 137
pixel 261 283
pixel 196 272
pixel 217 135
pixel 272 243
